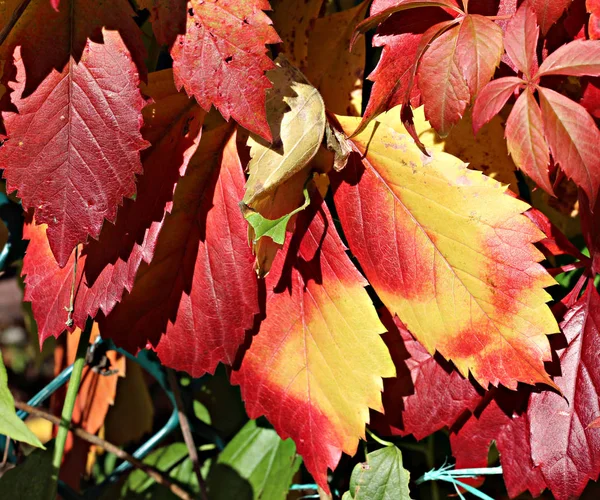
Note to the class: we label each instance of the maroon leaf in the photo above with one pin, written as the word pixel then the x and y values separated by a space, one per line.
pixel 200 287
pixel 222 59
pixel 548 12
pixel 425 385
pixel 563 446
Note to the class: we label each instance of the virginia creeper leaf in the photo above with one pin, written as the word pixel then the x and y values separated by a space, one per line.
pixel 521 40
pixel 381 477
pixel 563 446
pixel 548 12
pixel 11 425
pixel 73 147
pixel 221 59
pixel 526 142
pixel 168 18
pixel 401 38
pixel 502 420
pixel 382 15
pixel 108 266
pixel 443 87
pixel 264 466
pixel 315 366
pixel 578 58
pixel 574 139
pixel 492 99
pixel 424 385
pixel 448 237
pixel 479 49
pixel 296 115
pixel 294 21
pixel 200 288
pixel 338 79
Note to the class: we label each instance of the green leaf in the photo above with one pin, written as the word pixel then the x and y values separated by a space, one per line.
pixel 11 425
pixel 274 229
pixel 381 477
pixel 31 480
pixel 173 459
pixel 256 464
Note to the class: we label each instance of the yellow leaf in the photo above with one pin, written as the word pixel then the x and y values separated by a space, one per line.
pixel 448 251
pixel 339 78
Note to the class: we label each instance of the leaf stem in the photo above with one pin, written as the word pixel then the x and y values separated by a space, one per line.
pixel 187 432
pixel 378 439
pixel 69 404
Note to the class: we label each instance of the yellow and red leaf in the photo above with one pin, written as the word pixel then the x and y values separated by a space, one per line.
pixel 316 365
pixel 449 252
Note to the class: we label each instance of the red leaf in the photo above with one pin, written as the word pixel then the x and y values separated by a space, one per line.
pixel 578 58
pixel 591 96
pixel 382 10
pixel 401 37
pixel 526 142
pixel 73 147
pixel 222 59
pixel 443 87
pixel 108 266
pixel 200 287
pixel 504 421
pixel 168 18
pixel 563 446
pixel 548 12
pixel 315 366
pixel 425 385
pixel 521 40
pixel 479 49
pixel 573 138
pixel 492 99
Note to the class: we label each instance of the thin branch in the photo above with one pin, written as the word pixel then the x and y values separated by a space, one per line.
pixel 187 432
pixel 16 15
pixel 155 474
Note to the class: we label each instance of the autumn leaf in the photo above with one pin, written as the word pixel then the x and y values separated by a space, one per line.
pixel 279 171
pixel 294 21
pixel 72 131
pixel 199 288
pixel 438 244
pixel 168 18
pixel 338 79
pixel 481 152
pixel 556 122
pixel 548 12
pixel 108 266
pixel 502 420
pixel 221 59
pixel 296 116
pixel 564 420
pixel 315 366
pixel 424 385
pixel 454 58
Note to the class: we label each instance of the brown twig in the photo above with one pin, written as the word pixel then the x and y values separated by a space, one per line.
pixel 155 474
pixel 187 432
pixel 16 15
